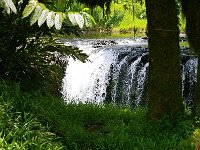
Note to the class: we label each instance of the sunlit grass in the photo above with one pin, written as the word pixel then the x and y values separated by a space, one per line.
pixel 129 25
pixel 22 130
pixel 85 126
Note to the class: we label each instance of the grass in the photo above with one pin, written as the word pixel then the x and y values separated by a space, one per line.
pixel 22 130
pixel 40 121
pixel 128 24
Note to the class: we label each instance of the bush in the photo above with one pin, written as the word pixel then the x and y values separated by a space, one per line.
pixel 21 130
pixel 108 22
pixel 32 56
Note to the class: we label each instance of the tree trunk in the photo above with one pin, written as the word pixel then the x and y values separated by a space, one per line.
pixel 164 82
pixel 193 32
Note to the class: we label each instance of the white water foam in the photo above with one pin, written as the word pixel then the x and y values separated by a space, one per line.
pixel 87 82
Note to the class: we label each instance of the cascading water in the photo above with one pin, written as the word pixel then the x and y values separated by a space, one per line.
pixel 86 82
pixel 189 80
pixel 117 73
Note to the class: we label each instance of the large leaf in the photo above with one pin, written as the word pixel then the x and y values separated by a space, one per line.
pixel 89 20
pixel 50 19
pixel 43 17
pixel 58 21
pixel 11 5
pixel 36 14
pixel 29 8
pixel 72 18
pixel 5 6
pixel 79 19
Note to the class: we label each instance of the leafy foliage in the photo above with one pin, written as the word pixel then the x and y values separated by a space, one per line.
pixel 36 14
pixel 22 130
pixel 41 14
pixel 109 22
pixel 32 56
pixel 101 3
pixel 29 8
pixel 88 126
pixel 8 6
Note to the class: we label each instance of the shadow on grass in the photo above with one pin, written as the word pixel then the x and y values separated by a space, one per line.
pixel 106 127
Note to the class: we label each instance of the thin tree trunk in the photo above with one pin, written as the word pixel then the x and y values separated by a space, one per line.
pixel 164 82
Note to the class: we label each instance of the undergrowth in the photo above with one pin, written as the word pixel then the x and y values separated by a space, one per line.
pixel 27 119
pixel 22 130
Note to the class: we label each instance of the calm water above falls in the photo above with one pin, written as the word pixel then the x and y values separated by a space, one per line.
pixel 117 72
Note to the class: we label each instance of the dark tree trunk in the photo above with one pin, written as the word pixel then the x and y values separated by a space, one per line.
pixel 164 83
pixel 191 10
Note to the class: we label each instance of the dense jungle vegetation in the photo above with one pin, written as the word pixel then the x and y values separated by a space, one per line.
pixel 32 63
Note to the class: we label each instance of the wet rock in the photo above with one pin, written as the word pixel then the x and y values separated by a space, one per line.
pixel 100 43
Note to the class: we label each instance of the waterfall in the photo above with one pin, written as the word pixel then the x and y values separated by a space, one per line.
pixel 117 72
pixel 189 79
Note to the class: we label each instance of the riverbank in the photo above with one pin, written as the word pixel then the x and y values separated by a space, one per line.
pixel 34 119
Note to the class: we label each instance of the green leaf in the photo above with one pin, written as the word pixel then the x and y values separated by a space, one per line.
pixel 87 19
pixel 72 18
pixel 79 19
pixel 36 14
pixel 58 21
pixel 43 17
pixel 29 8
pixel 86 9
pixel 50 19
pixel 11 5
pixel 6 7
pixel 91 18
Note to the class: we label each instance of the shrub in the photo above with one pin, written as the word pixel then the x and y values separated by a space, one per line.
pixel 32 56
